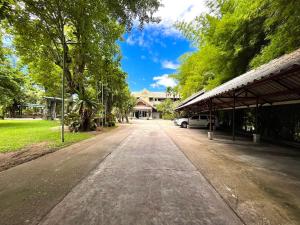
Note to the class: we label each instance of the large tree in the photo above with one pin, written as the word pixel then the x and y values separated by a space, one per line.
pixel 11 79
pixel 234 37
pixel 86 30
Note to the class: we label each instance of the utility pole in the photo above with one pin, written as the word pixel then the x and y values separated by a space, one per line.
pixel 102 104
pixel 105 111
pixel 63 89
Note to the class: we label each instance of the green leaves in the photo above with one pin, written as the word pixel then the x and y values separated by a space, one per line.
pixel 237 36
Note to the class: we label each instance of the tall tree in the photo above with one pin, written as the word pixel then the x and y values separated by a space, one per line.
pixel 11 79
pixel 234 37
pixel 87 32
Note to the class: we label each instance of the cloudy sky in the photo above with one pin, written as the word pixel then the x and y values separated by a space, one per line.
pixel 150 55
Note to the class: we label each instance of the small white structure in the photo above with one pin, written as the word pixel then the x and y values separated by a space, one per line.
pixel 147 101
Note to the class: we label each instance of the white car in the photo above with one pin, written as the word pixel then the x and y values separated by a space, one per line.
pixel 182 122
pixel 201 120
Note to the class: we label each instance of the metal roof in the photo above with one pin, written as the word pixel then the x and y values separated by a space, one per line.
pixel 153 94
pixel 33 105
pixel 276 81
pixel 145 102
pixel 52 98
pixel 142 108
pixel 193 96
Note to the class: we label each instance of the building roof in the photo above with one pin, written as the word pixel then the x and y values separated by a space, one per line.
pixel 276 81
pixel 142 108
pixel 152 94
pixel 192 97
pixel 147 105
pixel 33 105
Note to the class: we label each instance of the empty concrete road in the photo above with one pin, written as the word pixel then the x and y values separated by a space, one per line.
pixel 146 180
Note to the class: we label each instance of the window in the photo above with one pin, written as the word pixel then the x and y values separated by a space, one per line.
pixel 195 117
pixel 203 117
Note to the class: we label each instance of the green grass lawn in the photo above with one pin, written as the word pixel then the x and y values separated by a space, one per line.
pixel 17 134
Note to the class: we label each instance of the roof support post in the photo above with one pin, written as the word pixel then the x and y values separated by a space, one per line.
pixel 256 136
pixel 210 133
pixel 256 116
pixel 233 117
pixel 210 113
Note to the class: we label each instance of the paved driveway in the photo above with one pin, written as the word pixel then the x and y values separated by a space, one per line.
pixel 146 180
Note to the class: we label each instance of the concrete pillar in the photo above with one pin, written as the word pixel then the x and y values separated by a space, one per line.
pixel 233 118
pixel 256 138
pixel 210 133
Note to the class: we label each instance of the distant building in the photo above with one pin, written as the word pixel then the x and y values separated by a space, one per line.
pixel 147 101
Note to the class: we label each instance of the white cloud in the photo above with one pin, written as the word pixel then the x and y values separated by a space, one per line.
pixel 180 10
pixel 130 40
pixel 163 81
pixel 137 38
pixel 169 65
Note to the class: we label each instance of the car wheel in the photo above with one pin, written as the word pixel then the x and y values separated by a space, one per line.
pixel 184 125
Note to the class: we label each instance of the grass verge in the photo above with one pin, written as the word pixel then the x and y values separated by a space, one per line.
pixel 17 134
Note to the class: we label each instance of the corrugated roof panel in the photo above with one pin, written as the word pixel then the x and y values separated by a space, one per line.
pixel 275 67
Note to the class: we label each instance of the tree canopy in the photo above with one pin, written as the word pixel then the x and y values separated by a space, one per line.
pixel 236 36
pixel 86 32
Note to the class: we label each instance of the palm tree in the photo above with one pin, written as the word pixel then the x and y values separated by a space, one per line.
pixel 174 92
pixel 169 91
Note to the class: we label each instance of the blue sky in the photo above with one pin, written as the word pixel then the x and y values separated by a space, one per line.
pixel 150 58
pixel 151 55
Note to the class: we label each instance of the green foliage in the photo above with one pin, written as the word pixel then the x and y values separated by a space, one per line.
pixel 85 34
pixel 236 36
pixel 167 108
pixel 11 80
pixel 282 28
pixel 5 8
pixel 124 103
pixel 72 119
pixel 171 92
pixel 110 120
pixel 81 116
pixel 168 116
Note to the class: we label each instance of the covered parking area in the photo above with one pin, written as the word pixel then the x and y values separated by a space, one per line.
pixel 275 83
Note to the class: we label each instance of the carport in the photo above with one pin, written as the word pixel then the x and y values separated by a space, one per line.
pixel 275 83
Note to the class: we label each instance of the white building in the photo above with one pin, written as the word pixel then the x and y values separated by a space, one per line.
pixel 147 101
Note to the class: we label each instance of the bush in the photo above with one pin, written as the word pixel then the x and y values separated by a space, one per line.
pixel 168 116
pixel 110 120
pixel 72 120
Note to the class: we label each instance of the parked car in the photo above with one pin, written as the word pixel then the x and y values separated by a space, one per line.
pixel 200 121
pixel 177 120
pixel 182 122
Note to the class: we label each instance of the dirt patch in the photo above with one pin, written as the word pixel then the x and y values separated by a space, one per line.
pixel 11 159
